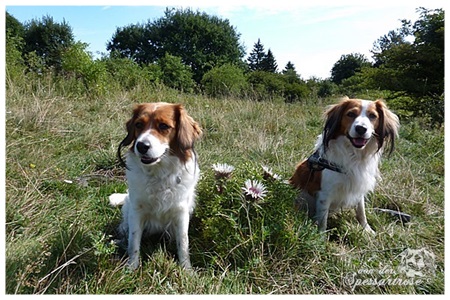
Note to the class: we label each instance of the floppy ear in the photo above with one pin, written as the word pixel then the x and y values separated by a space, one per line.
pixel 333 117
pixel 188 131
pixel 388 125
pixel 130 134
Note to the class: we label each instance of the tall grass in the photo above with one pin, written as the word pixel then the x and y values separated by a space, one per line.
pixel 61 166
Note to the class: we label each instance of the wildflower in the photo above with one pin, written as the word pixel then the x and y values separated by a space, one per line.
pixel 222 171
pixel 254 189
pixel 268 174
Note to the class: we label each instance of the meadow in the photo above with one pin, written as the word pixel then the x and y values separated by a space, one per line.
pixel 61 166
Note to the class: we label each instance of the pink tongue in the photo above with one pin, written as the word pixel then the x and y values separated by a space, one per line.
pixel 359 142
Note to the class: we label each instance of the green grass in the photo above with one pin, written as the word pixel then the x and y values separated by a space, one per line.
pixel 61 166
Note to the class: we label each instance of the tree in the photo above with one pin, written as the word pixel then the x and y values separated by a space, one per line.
pixel 268 63
pixel 419 65
pixel 347 66
pixel 200 40
pixel 256 57
pixel 13 27
pixel 414 69
pixel 289 68
pixel 394 38
pixel 131 42
pixel 290 73
pixel 48 39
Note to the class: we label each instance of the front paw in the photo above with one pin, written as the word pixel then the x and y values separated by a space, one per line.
pixel 369 230
pixel 133 263
pixel 186 264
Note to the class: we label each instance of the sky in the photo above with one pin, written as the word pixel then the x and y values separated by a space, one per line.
pixel 312 36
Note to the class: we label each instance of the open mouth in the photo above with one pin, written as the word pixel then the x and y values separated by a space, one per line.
pixel 358 142
pixel 149 160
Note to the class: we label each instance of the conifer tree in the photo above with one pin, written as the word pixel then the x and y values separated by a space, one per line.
pixel 268 63
pixel 256 57
pixel 290 73
pixel 288 68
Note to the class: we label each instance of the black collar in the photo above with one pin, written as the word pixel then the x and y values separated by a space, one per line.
pixel 317 163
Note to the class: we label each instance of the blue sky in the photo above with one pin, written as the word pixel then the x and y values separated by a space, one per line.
pixel 313 36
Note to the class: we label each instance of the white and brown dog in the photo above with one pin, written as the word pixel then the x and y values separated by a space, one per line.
pixel 344 167
pixel 162 173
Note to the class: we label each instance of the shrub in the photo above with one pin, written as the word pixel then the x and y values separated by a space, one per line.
pixel 175 74
pixel 265 85
pixel 226 80
pixel 15 65
pixel 129 74
pixel 240 230
pixel 78 64
pixel 295 91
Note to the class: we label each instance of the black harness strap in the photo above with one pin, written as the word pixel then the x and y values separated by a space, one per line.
pixel 317 163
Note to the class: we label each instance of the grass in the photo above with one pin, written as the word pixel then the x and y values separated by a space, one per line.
pixel 61 166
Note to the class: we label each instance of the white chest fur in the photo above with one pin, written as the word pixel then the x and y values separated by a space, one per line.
pixel 360 172
pixel 162 191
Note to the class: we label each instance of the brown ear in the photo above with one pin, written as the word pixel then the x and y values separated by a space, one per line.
pixel 333 117
pixel 388 125
pixel 188 132
pixel 130 134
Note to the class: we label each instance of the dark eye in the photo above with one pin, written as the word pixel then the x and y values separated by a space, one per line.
pixel 372 116
pixel 163 126
pixel 351 114
pixel 139 125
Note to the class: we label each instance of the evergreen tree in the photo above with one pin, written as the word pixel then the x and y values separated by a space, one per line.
pixel 290 73
pixel 256 57
pixel 268 63
pixel 289 68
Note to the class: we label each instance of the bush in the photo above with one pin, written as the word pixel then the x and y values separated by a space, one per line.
pixel 295 91
pixel 129 74
pixel 226 80
pixel 326 88
pixel 265 85
pixel 15 65
pixel 241 230
pixel 78 64
pixel 175 74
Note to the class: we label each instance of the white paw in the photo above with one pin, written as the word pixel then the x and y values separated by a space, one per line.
pixel 117 199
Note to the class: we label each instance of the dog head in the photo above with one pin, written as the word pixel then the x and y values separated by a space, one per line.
pixel 360 121
pixel 158 129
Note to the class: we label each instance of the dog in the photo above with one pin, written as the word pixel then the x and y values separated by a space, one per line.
pixel 344 166
pixel 162 172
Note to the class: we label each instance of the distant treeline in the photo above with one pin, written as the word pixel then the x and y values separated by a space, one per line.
pixel 198 53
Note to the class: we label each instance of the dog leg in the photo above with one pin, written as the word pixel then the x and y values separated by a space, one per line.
pixel 182 239
pixel 306 202
pixel 361 216
pixel 321 216
pixel 135 229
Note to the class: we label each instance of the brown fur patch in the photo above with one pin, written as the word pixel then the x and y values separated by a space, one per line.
pixel 305 179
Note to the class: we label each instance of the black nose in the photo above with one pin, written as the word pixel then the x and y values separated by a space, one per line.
pixel 142 148
pixel 360 129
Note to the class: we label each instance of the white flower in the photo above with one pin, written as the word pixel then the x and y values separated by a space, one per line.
pixel 268 174
pixel 254 189
pixel 222 170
